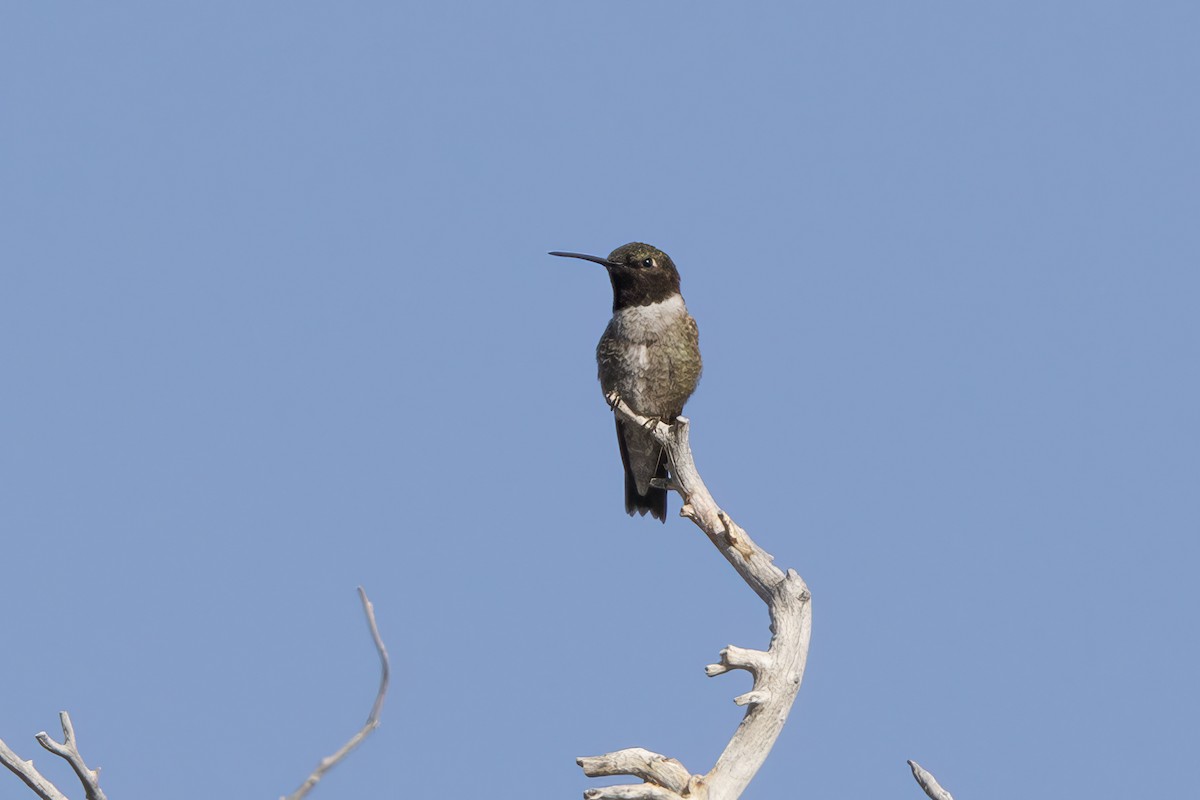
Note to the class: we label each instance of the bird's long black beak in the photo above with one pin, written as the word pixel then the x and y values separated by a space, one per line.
pixel 604 262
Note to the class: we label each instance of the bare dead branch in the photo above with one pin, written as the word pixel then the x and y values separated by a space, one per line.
pixel 929 783
pixel 666 772
pixel 639 791
pixel 68 751
pixel 733 657
pixel 777 671
pixel 90 778
pixel 372 723
pixel 27 773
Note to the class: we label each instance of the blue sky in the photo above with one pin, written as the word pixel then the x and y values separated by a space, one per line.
pixel 277 320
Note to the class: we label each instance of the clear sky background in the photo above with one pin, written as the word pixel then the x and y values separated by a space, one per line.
pixel 276 320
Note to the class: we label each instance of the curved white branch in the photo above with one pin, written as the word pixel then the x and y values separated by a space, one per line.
pixel 777 671
pixel 372 719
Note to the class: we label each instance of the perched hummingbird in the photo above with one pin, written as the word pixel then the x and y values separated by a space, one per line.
pixel 650 356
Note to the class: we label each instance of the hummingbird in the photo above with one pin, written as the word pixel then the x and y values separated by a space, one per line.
pixel 650 356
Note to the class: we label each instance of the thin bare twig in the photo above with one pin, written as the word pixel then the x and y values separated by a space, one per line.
pixel 929 783
pixel 372 723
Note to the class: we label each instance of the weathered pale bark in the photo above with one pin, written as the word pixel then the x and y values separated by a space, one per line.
pixel 68 751
pixel 929 783
pixel 777 671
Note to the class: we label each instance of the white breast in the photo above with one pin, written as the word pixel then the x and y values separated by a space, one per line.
pixel 647 323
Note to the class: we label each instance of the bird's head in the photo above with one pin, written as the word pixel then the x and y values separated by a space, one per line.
pixel 641 274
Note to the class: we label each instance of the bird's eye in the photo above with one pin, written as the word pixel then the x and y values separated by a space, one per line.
pixel 647 262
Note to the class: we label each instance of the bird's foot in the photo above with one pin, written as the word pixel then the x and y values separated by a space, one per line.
pixel 652 423
pixel 612 398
